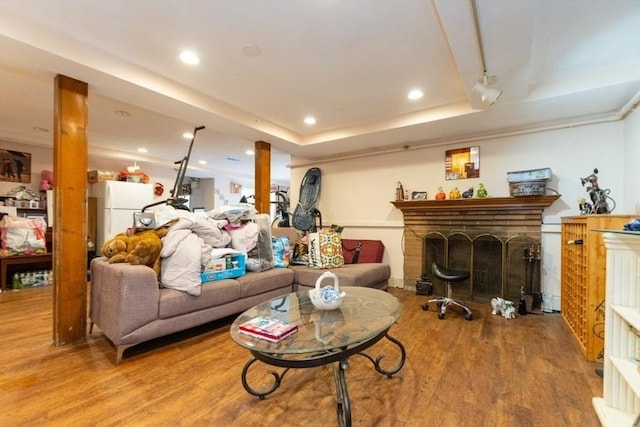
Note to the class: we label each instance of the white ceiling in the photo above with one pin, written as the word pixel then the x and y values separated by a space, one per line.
pixel 349 63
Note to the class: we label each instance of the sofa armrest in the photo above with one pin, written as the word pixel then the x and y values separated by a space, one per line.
pixel 124 297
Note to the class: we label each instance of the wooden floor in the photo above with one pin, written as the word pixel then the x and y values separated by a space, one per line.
pixel 487 372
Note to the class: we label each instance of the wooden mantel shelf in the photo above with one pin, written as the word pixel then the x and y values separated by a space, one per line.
pixel 494 203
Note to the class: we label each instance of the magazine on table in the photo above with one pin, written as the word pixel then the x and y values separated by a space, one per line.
pixel 273 330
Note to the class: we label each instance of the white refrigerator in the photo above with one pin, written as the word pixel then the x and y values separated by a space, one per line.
pixel 116 201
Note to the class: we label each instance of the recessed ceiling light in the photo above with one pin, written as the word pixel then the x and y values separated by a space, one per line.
pixel 187 135
pixel 202 162
pixel 142 150
pixel 310 120
pixel 415 94
pixel 249 152
pixel 189 57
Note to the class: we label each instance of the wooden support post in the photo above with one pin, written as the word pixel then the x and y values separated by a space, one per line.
pixel 263 177
pixel 70 198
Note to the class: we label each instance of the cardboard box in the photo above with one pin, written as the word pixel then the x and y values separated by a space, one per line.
pixel 217 265
pixel 99 176
pixel 239 269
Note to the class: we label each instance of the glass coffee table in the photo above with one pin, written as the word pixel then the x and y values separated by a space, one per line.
pixel 323 337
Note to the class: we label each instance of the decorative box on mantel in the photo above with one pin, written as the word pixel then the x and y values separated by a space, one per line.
pixel 502 218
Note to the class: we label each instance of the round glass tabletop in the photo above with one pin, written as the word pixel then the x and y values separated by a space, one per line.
pixel 364 314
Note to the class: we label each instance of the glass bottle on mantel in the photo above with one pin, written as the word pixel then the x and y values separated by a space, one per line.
pixel 399 192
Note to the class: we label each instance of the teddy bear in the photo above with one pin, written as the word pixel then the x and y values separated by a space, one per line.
pixel 142 248
pixel 46 180
pixel 115 249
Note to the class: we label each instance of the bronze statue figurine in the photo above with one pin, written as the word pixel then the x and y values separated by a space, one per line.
pixel 598 196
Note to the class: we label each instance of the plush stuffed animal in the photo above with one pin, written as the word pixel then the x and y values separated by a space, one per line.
pixel 116 248
pixel 142 248
pixel 46 180
pixel 504 307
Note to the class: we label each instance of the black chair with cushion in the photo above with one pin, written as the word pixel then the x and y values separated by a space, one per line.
pixel 449 276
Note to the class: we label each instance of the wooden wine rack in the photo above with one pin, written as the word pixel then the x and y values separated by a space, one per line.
pixel 583 278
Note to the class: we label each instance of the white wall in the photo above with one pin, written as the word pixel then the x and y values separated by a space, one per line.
pixel 357 192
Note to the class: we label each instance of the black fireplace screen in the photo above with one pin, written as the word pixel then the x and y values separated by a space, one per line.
pixel 506 268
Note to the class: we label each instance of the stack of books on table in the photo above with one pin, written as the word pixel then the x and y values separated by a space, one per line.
pixel 268 329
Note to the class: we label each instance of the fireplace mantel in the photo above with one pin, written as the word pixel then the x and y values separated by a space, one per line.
pixel 493 203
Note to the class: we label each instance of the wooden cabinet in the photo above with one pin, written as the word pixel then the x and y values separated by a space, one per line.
pixel 620 404
pixel 583 278
pixel 14 264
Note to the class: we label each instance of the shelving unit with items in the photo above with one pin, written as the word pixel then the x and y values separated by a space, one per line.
pixel 620 404
pixel 583 278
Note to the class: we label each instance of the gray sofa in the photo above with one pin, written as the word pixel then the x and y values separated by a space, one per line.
pixel 372 275
pixel 368 275
pixel 130 307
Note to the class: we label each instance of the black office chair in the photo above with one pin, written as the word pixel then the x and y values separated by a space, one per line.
pixel 449 276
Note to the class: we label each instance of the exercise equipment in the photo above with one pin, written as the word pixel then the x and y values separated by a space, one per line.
pixel 305 213
pixel 177 199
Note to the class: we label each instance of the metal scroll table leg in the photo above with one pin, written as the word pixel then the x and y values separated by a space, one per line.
pixel 342 394
pixel 261 394
pixel 390 372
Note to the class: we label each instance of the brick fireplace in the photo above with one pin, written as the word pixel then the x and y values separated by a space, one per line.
pixel 496 238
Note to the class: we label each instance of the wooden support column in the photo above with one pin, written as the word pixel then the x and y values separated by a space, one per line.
pixel 70 211
pixel 263 177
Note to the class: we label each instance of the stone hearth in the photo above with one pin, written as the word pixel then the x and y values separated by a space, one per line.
pixel 496 238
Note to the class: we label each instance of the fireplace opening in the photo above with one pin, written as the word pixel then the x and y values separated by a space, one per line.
pixel 507 267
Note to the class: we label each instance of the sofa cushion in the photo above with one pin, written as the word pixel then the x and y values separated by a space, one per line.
pixel 174 303
pixel 255 283
pixel 365 274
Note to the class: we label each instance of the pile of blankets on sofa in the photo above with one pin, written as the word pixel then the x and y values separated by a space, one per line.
pixel 194 239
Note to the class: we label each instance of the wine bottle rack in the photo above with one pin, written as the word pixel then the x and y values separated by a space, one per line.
pixel 583 278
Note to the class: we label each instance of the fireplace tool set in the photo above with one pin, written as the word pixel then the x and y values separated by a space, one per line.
pixel 530 301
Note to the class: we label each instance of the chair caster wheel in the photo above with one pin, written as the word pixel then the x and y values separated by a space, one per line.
pixel 440 315
pixel 468 316
pixel 425 307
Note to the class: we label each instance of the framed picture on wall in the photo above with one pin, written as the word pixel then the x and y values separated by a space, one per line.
pixel 462 163
pixel 16 166
pixel 419 195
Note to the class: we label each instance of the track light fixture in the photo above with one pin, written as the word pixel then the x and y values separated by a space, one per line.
pixel 488 95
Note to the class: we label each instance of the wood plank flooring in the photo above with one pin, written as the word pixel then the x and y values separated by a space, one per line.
pixel 487 372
